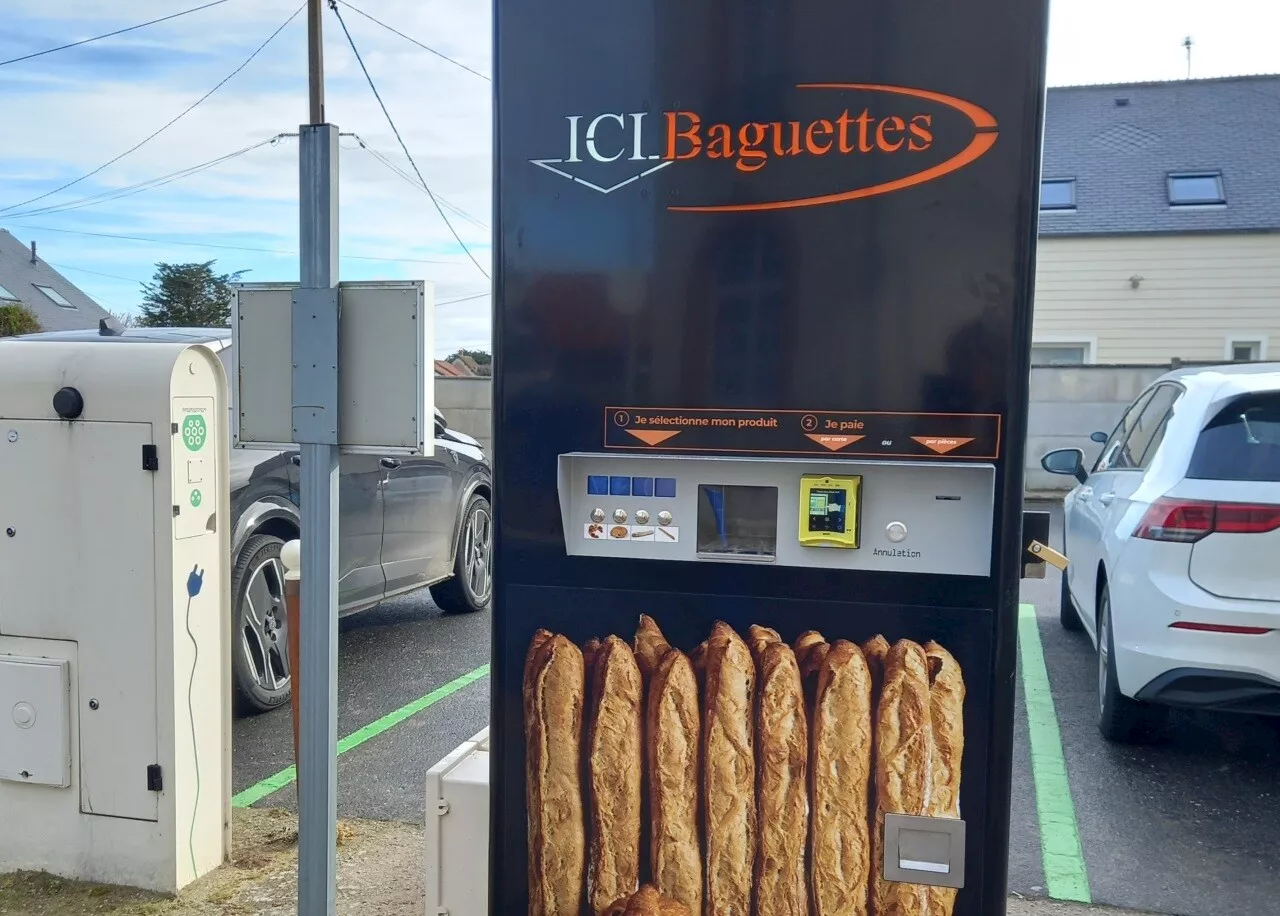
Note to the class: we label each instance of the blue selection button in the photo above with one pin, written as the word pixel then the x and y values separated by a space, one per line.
pixel 641 486
pixel 619 486
pixel 664 487
pixel 597 485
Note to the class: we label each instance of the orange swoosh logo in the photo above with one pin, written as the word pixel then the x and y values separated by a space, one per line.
pixel 985 138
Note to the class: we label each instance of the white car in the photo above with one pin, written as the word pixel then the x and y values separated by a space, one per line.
pixel 1173 543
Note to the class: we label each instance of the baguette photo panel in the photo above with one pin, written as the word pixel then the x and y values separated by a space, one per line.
pixel 738 247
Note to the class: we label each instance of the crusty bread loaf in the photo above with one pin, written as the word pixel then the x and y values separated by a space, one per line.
pixel 613 775
pixel 650 645
pixel 554 695
pixel 875 650
pixel 902 763
pixel 782 751
pixel 673 722
pixel 728 755
pixel 946 718
pixel 840 841
pixel 648 901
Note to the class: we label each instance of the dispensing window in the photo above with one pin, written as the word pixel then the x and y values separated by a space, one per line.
pixel 737 522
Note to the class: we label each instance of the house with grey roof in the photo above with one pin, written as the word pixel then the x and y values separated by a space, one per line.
pixel 57 303
pixel 1160 223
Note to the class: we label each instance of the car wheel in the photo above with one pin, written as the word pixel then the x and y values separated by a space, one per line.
pixel 259 643
pixel 469 588
pixel 1120 718
pixel 1068 613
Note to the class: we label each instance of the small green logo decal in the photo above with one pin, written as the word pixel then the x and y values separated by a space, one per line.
pixel 194 432
pixel 196 498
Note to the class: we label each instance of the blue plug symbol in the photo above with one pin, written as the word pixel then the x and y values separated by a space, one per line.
pixel 194 581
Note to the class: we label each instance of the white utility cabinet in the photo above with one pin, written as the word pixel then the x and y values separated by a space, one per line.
pixel 457 853
pixel 114 623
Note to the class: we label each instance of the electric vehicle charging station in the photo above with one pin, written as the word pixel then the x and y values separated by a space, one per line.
pixel 115 727
pixel 762 331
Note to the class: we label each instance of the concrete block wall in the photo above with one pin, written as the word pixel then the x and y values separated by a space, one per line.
pixel 467 405
pixel 1068 403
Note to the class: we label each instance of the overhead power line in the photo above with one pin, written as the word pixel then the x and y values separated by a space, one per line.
pixel 96 273
pixel 138 238
pixel 391 166
pixel 333 5
pixel 458 299
pixel 150 184
pixel 175 120
pixel 132 28
pixel 415 41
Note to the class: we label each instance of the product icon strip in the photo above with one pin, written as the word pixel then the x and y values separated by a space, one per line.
pixel 799 432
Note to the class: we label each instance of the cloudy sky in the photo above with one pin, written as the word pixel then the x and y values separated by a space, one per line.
pixel 65 114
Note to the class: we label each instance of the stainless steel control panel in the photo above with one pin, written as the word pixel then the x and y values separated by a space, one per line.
pixel 914 517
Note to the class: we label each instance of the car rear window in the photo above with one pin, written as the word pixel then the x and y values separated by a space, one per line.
pixel 1241 443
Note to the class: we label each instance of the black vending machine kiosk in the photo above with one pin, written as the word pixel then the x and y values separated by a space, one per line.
pixel 762 319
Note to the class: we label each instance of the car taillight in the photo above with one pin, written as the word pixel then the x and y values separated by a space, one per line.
pixel 1186 521
pixel 1219 628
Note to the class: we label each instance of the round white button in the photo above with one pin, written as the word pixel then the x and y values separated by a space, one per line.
pixel 642 517
pixel 895 531
pixel 597 514
pixel 619 515
pixel 664 517
pixel 24 715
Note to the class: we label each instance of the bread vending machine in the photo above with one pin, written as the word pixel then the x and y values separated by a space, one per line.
pixel 762 322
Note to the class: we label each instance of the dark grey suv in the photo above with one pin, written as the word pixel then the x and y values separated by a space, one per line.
pixel 404 523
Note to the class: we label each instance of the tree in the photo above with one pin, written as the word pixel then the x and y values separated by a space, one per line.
pixel 125 319
pixel 187 296
pixel 16 319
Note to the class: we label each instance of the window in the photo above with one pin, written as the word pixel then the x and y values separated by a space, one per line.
pixel 1059 354
pixel 1148 431
pixel 1113 454
pixel 1246 349
pixel 1195 188
pixel 56 296
pixel 5 294
pixel 1241 443
pixel 1058 194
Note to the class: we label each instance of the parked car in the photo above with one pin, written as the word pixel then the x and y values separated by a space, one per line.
pixel 404 523
pixel 1173 543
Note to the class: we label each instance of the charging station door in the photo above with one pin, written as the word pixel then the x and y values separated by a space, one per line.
pixel 63 505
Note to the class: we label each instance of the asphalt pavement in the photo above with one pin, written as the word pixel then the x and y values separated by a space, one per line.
pixel 1188 826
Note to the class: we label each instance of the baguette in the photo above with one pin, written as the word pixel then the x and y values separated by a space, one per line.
pixel 946 716
pixel 840 841
pixel 648 901
pixel 875 650
pixel 728 789
pixel 673 722
pixel 902 763
pixel 613 775
pixel 782 806
pixel 650 646
pixel 811 649
pixel 554 688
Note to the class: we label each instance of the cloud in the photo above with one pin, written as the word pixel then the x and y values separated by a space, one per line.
pixel 66 113
pixel 80 107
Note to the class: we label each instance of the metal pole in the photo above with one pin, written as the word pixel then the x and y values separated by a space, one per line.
pixel 315 428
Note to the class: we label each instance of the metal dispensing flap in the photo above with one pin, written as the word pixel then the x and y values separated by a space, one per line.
pixel 924 850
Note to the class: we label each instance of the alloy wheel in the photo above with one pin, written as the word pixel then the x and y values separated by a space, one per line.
pixel 263 636
pixel 477 547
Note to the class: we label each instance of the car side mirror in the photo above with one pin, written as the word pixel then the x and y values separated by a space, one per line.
pixel 1100 438
pixel 1065 461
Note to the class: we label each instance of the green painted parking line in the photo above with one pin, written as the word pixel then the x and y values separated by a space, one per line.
pixel 278 781
pixel 1064 869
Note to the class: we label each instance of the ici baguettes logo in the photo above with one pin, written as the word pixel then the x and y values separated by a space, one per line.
pixel 641 144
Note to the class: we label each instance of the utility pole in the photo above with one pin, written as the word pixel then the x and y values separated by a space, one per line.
pixel 1187 43
pixel 315 429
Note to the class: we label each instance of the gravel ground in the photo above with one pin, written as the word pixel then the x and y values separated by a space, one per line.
pixel 379 874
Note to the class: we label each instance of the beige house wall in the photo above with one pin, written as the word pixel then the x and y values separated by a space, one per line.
pixel 1148 299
